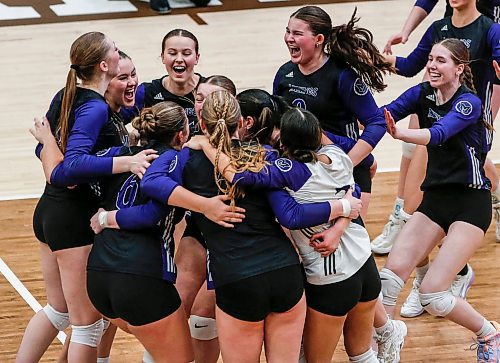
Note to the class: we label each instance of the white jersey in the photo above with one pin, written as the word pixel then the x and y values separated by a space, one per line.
pixel 328 182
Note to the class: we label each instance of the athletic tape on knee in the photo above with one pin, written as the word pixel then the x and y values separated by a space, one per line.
pixel 408 149
pixel 89 335
pixel 59 320
pixel 367 357
pixel 202 328
pixel 391 286
pixel 438 303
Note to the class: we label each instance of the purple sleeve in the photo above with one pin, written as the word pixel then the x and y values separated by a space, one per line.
pixel 406 104
pixel 38 150
pixel 466 111
pixel 280 174
pixel 157 182
pixel 346 144
pixel 357 97
pixel 78 161
pixel 141 216
pixel 417 59
pixel 293 215
pixel 427 5
pixel 493 39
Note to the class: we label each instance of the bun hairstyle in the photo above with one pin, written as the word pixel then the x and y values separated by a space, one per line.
pixel 221 115
pixel 348 44
pixel 265 110
pixel 160 122
pixel 86 52
pixel 300 135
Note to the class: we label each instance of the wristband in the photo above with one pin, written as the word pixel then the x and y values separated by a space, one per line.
pixel 346 207
pixel 103 219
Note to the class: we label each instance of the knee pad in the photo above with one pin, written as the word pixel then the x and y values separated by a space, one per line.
pixel 367 357
pixel 59 320
pixel 408 149
pixel 438 303
pixel 89 335
pixel 391 286
pixel 105 325
pixel 202 328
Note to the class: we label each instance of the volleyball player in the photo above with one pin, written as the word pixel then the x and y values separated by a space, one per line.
pixel 331 73
pixel 456 202
pixel 482 36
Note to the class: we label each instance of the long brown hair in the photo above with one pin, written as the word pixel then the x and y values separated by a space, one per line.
pixel 348 44
pixel 86 52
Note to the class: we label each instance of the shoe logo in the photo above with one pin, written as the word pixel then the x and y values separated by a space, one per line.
pixel 431 97
pixel 424 305
pixel 289 75
pixel 444 28
pixel 159 96
pixel 199 326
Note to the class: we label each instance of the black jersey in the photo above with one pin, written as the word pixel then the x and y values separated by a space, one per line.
pixel 144 244
pixel 254 246
pixel 151 93
pixel 336 95
pixel 457 135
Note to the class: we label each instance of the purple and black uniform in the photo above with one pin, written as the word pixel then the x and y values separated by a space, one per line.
pixel 490 8
pixel 338 97
pixel 62 215
pixel 482 38
pixel 455 154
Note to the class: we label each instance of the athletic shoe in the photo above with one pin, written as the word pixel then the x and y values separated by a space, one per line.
pixel 383 243
pixel 412 307
pixel 488 348
pixel 496 210
pixel 391 341
pixel 160 6
pixel 461 285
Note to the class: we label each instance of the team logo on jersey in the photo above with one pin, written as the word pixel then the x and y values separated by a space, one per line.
pixel 431 97
pixel 360 87
pixel 173 164
pixel 433 114
pixel 444 28
pixel 464 107
pixel 159 97
pixel 289 75
pixel 285 165
pixel 299 102
pixel 467 42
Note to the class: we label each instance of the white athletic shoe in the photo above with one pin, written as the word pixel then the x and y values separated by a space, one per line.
pixel 462 284
pixel 391 341
pixel 383 243
pixel 412 307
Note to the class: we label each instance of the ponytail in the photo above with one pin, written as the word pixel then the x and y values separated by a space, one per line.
pixel 66 105
pixel 354 46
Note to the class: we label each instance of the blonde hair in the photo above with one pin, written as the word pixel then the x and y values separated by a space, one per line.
pixel 221 115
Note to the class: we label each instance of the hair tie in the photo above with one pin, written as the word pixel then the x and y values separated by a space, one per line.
pixel 75 67
pixel 221 121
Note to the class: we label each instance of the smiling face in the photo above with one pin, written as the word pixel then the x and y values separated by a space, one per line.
pixel 301 41
pixel 461 4
pixel 121 89
pixel 203 90
pixel 441 68
pixel 179 58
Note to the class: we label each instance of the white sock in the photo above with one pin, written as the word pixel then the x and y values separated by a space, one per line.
pixel 420 273
pixel 367 357
pixel 398 206
pixel 103 360
pixel 486 329
pixel 404 216
pixel 387 326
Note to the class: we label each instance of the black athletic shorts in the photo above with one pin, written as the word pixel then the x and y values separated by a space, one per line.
pixel 138 300
pixel 339 298
pixel 363 179
pixel 445 205
pixel 193 231
pixel 253 298
pixel 63 223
